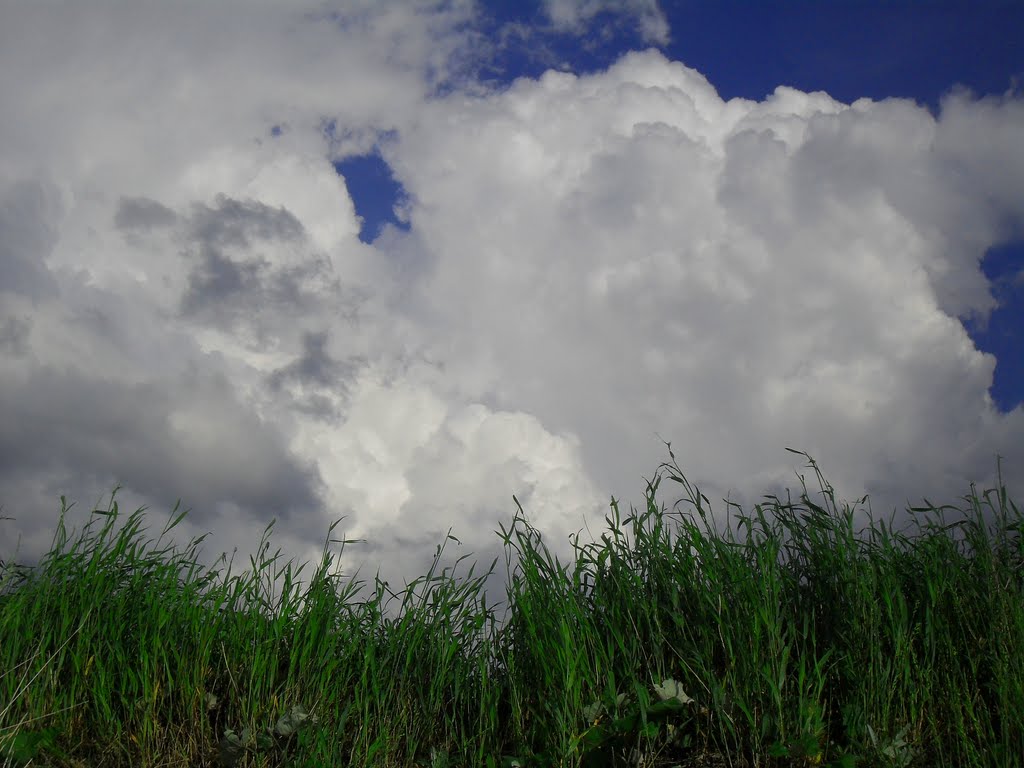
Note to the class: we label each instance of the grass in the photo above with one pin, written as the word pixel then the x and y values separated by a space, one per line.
pixel 785 637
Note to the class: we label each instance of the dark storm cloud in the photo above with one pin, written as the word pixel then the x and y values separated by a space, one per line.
pixel 315 365
pixel 293 286
pixel 219 278
pixel 189 438
pixel 29 213
pixel 141 213
pixel 315 368
pixel 236 223
pixel 63 418
pixel 14 332
pixel 223 239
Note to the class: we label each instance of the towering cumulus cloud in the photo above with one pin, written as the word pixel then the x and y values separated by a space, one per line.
pixel 592 264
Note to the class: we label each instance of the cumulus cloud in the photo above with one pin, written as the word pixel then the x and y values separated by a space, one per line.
pixel 592 264
pixel 789 272
pixel 574 16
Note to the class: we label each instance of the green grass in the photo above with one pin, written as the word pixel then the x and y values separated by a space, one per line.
pixel 782 637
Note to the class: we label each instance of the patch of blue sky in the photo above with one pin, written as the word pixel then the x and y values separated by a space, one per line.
pixel 1003 334
pixel 375 192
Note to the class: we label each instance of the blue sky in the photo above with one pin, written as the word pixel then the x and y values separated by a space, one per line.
pixel 398 262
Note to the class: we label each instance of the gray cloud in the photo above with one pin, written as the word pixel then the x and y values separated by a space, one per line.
pixel 315 365
pixel 136 214
pixel 230 276
pixel 163 437
pixel 30 213
pixel 235 223
pixel 14 333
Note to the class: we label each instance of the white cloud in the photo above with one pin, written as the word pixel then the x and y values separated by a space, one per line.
pixel 751 275
pixel 574 15
pixel 593 262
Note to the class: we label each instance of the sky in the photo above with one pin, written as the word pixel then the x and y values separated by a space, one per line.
pixel 394 263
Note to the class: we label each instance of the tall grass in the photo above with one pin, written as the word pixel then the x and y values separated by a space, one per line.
pixel 783 637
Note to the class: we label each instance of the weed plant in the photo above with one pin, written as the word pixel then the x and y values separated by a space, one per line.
pixel 784 638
